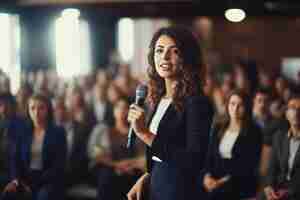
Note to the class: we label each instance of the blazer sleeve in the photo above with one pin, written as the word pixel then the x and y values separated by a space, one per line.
pixel 13 149
pixel 198 116
pixel 274 164
pixel 56 171
pixel 210 157
pixel 250 157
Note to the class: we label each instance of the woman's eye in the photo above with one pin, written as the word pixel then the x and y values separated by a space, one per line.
pixel 158 51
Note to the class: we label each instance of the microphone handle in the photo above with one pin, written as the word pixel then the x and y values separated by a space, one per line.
pixel 131 138
pixel 131 134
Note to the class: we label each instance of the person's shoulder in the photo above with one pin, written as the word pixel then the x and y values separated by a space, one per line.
pixel 280 134
pixel 202 99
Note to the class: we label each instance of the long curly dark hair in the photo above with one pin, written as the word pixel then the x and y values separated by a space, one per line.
pixel 247 118
pixel 189 75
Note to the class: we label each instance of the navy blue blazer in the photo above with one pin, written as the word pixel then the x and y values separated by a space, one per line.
pixel 15 127
pixel 243 166
pixel 53 154
pixel 182 137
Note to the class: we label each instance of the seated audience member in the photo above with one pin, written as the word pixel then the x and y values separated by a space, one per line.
pixel 40 155
pixel 79 109
pixel 283 180
pixel 76 137
pixel 262 117
pixel 10 126
pixel 117 167
pixel 101 106
pixel 261 108
pixel 234 153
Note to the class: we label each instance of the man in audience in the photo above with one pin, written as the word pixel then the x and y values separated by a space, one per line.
pixel 261 111
pixel 283 180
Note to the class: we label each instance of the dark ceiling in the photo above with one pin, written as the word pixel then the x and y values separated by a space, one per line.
pixel 165 7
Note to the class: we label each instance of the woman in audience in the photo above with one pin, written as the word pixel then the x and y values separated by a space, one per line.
pixel 117 167
pixel 79 110
pixel 234 152
pixel 40 155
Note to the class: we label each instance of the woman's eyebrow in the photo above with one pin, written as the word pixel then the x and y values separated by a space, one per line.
pixel 161 46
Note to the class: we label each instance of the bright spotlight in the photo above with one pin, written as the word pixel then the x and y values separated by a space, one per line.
pixel 235 15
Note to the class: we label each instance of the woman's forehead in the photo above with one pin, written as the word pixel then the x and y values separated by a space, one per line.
pixel 294 103
pixel 37 101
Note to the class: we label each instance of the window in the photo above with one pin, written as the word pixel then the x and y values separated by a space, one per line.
pixel 72 42
pixel 10 49
pixel 134 37
pixel 126 39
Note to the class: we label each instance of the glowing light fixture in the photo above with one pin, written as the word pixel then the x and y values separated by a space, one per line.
pixel 235 14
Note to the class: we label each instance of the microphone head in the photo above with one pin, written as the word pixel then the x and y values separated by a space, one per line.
pixel 141 91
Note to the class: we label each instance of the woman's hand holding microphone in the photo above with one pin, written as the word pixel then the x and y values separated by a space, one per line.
pixel 136 116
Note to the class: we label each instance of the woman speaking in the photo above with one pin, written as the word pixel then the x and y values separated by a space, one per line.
pixel 177 134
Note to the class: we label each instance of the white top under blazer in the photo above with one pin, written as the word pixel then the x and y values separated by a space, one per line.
pixel 159 113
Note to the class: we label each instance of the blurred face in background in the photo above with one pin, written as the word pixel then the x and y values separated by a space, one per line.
pixel 100 92
pixel 38 111
pixel 60 111
pixel 240 78
pixel 121 111
pixel 5 109
pixel 277 109
pixel 293 112
pixel 77 99
pixel 261 103
pixel 113 94
pixel 236 108
pixel 227 83
pixel 280 85
pixel 102 78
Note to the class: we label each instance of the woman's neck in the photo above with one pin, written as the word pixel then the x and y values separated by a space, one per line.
pixel 39 129
pixel 169 84
pixel 235 125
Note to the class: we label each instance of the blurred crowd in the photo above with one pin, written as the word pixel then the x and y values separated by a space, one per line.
pixel 93 109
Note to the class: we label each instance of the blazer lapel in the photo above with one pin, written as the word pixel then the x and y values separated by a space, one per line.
pixel 170 112
pixel 296 161
pixel 285 149
pixel 45 145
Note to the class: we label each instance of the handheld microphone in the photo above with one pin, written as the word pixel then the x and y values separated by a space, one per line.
pixel 140 97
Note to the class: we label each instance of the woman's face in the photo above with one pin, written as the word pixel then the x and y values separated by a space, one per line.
pixel 167 57
pixel 38 111
pixel 236 107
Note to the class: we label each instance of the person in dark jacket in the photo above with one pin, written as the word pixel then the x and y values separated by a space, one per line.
pixel 283 180
pixel 231 170
pixel 10 126
pixel 178 133
pixel 40 155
